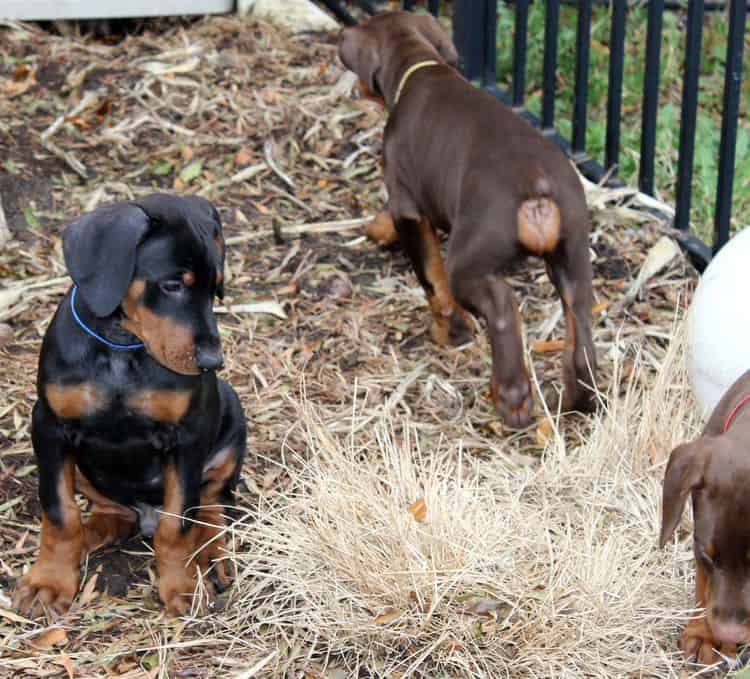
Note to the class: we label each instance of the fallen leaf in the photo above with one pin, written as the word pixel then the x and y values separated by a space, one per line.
pixel 89 592
pixel 386 618
pixel 418 510
pixel 191 171
pixel 243 157
pixel 261 208
pixel 187 154
pixel 543 432
pixel 67 663
pixel 56 636
pixel 178 184
pixel 660 254
pixel 598 308
pixel 547 347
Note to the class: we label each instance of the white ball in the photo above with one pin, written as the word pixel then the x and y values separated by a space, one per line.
pixel 718 328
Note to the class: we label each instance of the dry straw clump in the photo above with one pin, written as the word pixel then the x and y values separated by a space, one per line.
pixel 409 561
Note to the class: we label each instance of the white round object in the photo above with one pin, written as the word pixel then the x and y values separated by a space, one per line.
pixel 718 328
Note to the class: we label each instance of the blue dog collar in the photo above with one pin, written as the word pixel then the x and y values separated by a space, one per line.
pixel 89 331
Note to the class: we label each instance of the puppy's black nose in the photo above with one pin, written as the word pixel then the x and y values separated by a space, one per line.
pixel 209 358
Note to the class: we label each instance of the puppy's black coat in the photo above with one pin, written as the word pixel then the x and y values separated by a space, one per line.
pixel 130 411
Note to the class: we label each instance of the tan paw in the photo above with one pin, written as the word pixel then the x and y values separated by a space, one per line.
pixel 381 229
pixel 697 641
pixel 44 589
pixel 176 589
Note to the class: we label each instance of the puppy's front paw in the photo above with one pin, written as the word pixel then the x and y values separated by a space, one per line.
pixel 697 641
pixel 46 589
pixel 214 555
pixel 176 588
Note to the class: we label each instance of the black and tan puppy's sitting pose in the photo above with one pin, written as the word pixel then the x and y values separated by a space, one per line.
pixel 130 412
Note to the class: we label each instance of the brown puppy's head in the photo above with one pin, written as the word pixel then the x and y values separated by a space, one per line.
pixel 381 49
pixel 155 265
pixel 716 472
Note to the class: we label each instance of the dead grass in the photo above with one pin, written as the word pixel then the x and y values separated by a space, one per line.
pixel 523 571
pixel 556 540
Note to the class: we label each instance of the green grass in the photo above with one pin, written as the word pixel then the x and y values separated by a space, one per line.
pixel 713 55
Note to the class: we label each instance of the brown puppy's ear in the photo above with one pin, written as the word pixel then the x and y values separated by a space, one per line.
pixel 684 474
pixel 358 51
pixel 430 29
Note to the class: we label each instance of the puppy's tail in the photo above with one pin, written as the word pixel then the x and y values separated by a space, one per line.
pixel 539 219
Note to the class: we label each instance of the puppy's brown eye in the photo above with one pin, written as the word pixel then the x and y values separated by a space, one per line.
pixel 171 287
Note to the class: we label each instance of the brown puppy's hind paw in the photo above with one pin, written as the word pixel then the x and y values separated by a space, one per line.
pixel 453 330
pixel 515 404
pixel 579 397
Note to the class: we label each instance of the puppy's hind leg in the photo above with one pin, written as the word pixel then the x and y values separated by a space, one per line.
pixel 569 269
pixel 451 325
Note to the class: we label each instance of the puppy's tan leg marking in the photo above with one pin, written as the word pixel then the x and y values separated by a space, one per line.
pixel 451 324
pixel 173 548
pixel 211 535
pixel 52 581
pixel 381 229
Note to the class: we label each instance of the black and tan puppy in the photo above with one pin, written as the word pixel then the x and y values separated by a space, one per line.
pixel 456 159
pixel 130 412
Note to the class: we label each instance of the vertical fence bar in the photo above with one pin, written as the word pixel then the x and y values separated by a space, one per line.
pixel 549 77
pixel 519 51
pixel 650 96
pixel 433 6
pixel 732 82
pixel 688 114
pixel 583 39
pixel 468 36
pixel 614 96
pixel 339 12
pixel 489 11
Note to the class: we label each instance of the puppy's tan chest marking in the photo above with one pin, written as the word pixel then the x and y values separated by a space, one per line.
pixel 160 404
pixel 74 401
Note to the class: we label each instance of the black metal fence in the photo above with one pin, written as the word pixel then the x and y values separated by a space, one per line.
pixel 474 32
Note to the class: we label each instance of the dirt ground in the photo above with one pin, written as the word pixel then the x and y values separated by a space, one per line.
pixel 266 126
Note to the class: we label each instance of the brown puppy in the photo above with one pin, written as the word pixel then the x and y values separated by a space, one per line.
pixel 456 159
pixel 715 470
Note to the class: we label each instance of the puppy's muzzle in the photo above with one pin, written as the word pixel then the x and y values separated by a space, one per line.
pixel 209 358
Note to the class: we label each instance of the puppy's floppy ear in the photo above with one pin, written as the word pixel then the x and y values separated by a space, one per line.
pixel 99 249
pixel 211 221
pixel 358 51
pixel 221 246
pixel 431 30
pixel 684 474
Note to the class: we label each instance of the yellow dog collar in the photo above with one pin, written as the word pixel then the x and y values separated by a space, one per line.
pixel 408 73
